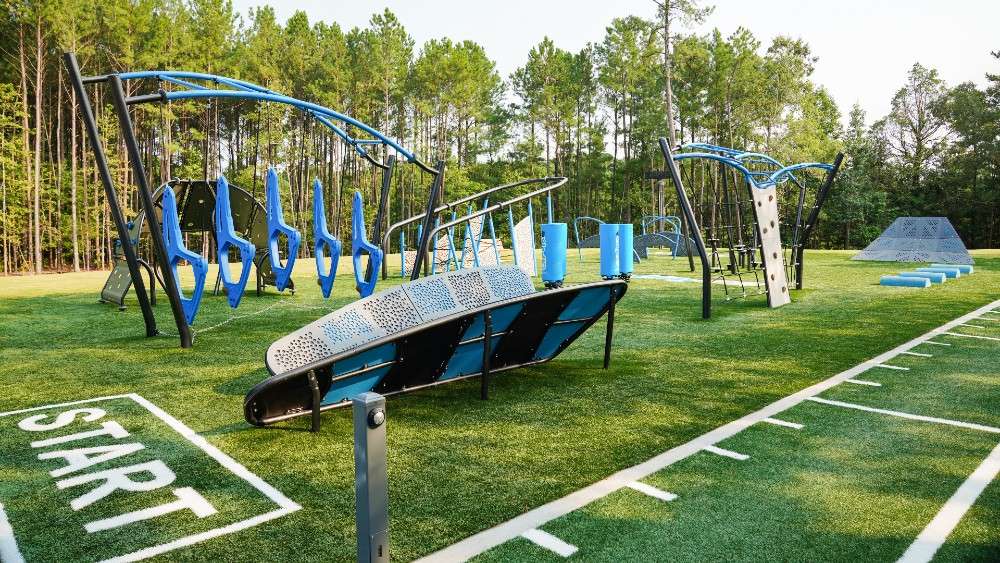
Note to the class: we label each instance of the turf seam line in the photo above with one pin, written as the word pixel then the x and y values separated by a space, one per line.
pixel 726 453
pixel 918 354
pixel 9 552
pixel 887 366
pixel 973 336
pixel 863 382
pixel 543 539
pixel 785 423
pixel 944 522
pixel 910 416
pixel 491 537
pixel 652 491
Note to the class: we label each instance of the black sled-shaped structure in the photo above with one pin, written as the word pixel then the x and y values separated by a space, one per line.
pixel 450 326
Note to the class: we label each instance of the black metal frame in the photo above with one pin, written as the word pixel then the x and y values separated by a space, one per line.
pixel 807 229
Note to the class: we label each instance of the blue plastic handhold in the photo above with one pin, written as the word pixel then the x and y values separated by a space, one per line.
pixel 360 246
pixel 326 243
pixel 276 226
pixel 226 238
pixel 176 251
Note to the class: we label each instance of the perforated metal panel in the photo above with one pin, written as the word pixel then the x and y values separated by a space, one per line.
pixel 469 288
pixel 392 310
pixel 765 206
pixel 918 239
pixel 508 283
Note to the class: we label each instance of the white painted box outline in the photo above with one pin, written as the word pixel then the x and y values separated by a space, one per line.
pixel 286 505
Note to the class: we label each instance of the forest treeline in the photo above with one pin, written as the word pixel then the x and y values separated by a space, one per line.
pixel 593 115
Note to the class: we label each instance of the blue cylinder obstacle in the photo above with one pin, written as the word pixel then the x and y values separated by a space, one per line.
pixel 935 277
pixel 948 271
pixel 900 281
pixel 610 267
pixel 554 253
pixel 964 268
pixel 625 231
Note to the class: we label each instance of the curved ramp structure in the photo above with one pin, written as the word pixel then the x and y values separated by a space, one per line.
pixel 425 332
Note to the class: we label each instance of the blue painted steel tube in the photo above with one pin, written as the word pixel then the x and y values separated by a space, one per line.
pixel 964 268
pixel 949 271
pixel 625 245
pixel 935 277
pixel 610 267
pixel 899 281
pixel 554 253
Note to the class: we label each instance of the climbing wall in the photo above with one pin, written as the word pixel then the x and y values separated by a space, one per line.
pixel 765 206
pixel 524 246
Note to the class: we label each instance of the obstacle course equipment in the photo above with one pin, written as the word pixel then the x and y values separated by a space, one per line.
pixel 964 268
pixel 901 281
pixel 441 328
pixel 950 272
pixel 918 239
pixel 751 219
pixel 553 254
pixel 177 252
pixel 625 249
pixel 326 243
pixel 610 261
pixel 364 278
pixel 276 226
pixel 227 238
pixel 935 277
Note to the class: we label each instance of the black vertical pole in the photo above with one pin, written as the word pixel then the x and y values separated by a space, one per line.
pixel 814 217
pixel 484 383
pixel 706 270
pixel 146 198
pixel 610 330
pixel 121 225
pixel 428 223
pixel 383 208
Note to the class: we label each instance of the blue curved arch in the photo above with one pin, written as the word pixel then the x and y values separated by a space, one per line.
pixel 576 230
pixel 731 162
pixel 776 176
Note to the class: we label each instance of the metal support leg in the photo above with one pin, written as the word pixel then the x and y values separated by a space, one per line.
pixel 371 483
pixel 484 389
pixel 609 332
pixel 316 400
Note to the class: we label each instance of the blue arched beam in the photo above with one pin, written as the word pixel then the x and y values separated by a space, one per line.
pixel 276 226
pixel 326 243
pixel 176 252
pixel 360 246
pixel 226 238
pixel 576 231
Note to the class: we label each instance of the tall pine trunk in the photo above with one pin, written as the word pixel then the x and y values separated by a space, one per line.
pixel 39 76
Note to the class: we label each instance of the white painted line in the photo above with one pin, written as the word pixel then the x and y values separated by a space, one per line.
pixel 286 505
pixel 726 453
pixel 9 553
pixel 544 539
pixel 918 354
pixel 920 417
pixel 944 522
pixel 973 326
pixel 887 366
pixel 935 343
pixel 784 423
pixel 972 336
pixel 863 382
pixel 991 319
pixel 652 491
pixel 536 517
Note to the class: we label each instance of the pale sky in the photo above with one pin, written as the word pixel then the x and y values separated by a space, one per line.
pixel 865 47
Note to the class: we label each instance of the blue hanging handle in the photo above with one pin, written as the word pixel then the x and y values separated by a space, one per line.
pixel 226 238
pixel 359 246
pixel 326 243
pixel 277 226
pixel 176 251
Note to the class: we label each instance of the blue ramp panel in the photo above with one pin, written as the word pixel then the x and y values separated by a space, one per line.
pixel 425 332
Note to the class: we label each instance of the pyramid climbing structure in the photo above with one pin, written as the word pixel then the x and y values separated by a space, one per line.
pixel 918 239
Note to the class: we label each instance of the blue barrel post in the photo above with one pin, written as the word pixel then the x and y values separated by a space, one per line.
pixel 951 272
pixel 554 254
pixel 964 268
pixel 610 267
pixel 935 277
pixel 625 244
pixel 899 281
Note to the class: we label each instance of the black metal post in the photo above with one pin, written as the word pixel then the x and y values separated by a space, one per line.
pixel 316 401
pixel 146 198
pixel 610 330
pixel 101 161
pixel 383 206
pixel 428 223
pixel 814 217
pixel 706 270
pixel 484 388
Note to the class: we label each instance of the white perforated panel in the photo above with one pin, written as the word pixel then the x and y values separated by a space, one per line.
pixel 765 208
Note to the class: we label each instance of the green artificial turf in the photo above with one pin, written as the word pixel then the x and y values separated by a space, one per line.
pixel 458 465
pixel 848 486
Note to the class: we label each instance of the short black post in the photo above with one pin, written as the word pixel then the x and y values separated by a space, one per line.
pixel 484 387
pixel 814 217
pixel 380 215
pixel 609 332
pixel 371 482
pixel 317 400
pixel 421 259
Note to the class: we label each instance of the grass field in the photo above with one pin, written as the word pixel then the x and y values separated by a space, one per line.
pixel 862 486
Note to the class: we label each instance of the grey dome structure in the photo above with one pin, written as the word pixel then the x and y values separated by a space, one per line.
pixel 918 239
